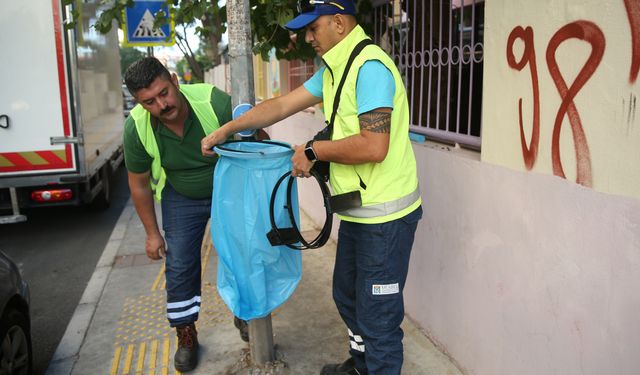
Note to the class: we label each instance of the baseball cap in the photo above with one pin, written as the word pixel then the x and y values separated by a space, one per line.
pixel 309 10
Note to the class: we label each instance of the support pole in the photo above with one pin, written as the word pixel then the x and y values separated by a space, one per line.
pixel 261 340
pixel 242 91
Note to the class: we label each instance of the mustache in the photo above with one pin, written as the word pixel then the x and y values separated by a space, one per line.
pixel 166 110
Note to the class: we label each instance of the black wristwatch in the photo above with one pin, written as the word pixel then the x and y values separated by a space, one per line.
pixel 308 151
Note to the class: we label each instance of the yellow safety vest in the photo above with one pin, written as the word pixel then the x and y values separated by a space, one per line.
pixel 389 189
pixel 199 97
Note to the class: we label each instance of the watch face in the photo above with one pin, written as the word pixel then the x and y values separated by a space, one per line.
pixel 310 154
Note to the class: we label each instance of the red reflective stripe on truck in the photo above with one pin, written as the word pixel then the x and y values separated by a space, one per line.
pixel 50 157
pixel 25 161
pixel 57 30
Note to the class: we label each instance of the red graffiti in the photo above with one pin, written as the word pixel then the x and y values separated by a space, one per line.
pixel 529 153
pixel 589 32
pixel 633 12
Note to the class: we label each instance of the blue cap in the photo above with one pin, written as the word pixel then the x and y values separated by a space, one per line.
pixel 321 8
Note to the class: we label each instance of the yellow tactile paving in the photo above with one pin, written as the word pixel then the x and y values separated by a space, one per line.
pixel 154 356
pixel 166 350
pixel 128 360
pixel 161 284
pixel 148 361
pixel 141 354
pixel 143 344
pixel 159 278
pixel 115 362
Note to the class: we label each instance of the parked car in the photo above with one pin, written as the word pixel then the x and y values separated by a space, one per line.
pixel 128 101
pixel 16 355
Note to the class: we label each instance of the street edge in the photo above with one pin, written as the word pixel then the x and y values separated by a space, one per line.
pixel 68 349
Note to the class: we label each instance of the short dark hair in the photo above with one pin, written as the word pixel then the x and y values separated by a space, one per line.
pixel 143 72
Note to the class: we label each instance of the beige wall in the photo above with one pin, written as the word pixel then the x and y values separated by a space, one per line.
pixel 608 155
pixel 524 273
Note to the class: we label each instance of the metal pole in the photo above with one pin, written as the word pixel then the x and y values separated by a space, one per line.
pixel 240 55
pixel 261 340
pixel 242 91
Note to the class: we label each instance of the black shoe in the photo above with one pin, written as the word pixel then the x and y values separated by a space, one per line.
pixel 347 367
pixel 243 327
pixel 186 357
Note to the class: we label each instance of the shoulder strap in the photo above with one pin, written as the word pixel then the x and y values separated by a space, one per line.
pixel 336 102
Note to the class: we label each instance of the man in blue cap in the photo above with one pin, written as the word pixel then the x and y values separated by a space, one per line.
pixel 371 156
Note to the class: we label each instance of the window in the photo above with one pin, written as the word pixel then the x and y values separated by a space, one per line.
pixel 438 48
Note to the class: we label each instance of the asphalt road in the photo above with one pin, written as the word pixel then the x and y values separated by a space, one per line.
pixel 57 250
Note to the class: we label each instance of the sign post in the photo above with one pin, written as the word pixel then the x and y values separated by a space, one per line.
pixel 241 64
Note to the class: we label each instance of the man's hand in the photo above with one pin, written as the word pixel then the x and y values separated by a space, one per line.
pixel 155 247
pixel 215 138
pixel 301 165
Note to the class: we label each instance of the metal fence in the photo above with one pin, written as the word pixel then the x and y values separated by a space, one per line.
pixel 438 48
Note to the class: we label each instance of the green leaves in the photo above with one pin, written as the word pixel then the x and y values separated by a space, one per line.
pixel 268 18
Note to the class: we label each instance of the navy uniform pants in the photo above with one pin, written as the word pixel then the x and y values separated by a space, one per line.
pixel 184 221
pixel 371 267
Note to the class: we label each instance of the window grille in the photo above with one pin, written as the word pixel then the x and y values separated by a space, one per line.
pixel 438 48
pixel 299 72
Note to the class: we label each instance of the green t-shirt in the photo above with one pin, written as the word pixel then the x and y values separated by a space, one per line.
pixel 190 173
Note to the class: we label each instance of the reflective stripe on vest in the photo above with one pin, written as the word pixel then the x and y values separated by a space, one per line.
pixel 386 208
pixel 199 97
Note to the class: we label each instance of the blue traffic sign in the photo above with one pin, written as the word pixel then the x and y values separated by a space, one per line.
pixel 139 22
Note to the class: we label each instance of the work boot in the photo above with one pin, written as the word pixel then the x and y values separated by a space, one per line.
pixel 347 367
pixel 186 357
pixel 243 327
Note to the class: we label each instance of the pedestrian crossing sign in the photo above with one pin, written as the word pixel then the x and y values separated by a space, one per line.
pixel 139 30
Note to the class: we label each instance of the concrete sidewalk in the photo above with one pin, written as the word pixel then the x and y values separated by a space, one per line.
pixel 119 326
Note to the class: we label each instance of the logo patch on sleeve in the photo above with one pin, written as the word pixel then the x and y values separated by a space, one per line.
pixel 384 289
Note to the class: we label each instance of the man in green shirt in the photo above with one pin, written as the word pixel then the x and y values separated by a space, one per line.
pixel 161 146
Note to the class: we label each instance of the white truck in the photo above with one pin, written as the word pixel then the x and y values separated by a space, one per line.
pixel 61 110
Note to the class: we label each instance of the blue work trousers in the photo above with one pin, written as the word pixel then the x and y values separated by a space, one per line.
pixel 184 221
pixel 371 267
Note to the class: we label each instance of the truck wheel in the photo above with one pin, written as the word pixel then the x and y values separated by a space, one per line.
pixel 102 201
pixel 15 344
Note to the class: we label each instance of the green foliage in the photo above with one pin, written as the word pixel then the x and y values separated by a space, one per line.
pixel 128 56
pixel 181 67
pixel 268 18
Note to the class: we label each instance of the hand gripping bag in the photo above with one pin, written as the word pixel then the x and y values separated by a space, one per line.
pixel 254 277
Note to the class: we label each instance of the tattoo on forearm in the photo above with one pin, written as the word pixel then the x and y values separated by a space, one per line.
pixel 376 122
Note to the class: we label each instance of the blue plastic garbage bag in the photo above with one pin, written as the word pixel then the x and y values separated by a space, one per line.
pixel 254 277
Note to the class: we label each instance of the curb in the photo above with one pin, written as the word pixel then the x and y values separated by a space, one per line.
pixel 68 349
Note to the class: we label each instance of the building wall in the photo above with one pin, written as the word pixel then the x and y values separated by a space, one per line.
pixel 514 272
pixel 524 273
pixel 527 260
pixel 219 76
pixel 574 67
